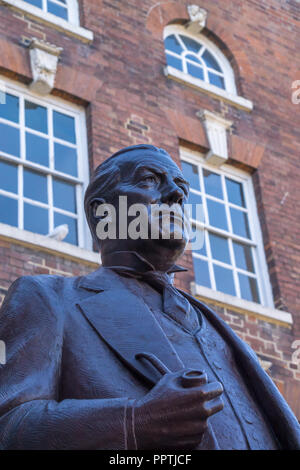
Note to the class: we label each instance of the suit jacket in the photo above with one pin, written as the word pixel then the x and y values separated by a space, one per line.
pixel 71 370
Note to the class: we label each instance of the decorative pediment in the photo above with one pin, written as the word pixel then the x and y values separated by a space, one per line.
pixel 216 130
pixel 44 59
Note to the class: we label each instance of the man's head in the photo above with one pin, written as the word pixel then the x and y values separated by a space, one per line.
pixel 145 175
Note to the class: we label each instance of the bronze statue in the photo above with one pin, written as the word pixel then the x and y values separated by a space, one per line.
pixel 120 359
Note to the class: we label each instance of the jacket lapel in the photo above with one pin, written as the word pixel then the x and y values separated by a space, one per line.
pixel 125 323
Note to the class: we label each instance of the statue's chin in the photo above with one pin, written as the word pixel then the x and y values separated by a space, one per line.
pixel 170 248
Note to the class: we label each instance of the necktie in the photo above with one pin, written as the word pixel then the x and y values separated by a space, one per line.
pixel 174 303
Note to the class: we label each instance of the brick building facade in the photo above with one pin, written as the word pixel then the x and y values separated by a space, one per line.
pixel 112 72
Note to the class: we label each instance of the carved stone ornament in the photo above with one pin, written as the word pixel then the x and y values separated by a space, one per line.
pixel 216 130
pixel 44 59
pixel 198 18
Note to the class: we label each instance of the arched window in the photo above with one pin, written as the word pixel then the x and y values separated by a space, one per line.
pixel 197 58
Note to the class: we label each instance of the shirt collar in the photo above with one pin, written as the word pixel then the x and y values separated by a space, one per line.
pixel 133 261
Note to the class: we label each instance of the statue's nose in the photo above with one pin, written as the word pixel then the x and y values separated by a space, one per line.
pixel 173 195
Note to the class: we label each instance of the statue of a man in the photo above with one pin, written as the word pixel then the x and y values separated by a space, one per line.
pixel 120 359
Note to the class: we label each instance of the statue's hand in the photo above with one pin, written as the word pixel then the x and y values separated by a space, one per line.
pixel 173 415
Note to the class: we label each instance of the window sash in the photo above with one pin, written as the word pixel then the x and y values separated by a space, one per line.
pixel 227 71
pixel 79 182
pixel 203 64
pixel 185 61
pixel 66 6
pixel 254 244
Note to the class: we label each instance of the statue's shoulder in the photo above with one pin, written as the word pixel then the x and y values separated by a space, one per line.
pixel 39 287
pixel 41 281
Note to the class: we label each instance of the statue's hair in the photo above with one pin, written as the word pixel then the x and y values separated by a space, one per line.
pixel 107 175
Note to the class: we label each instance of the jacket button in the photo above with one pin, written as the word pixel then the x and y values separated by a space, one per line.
pixel 248 419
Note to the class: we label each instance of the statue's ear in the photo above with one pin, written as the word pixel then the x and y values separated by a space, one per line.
pixel 94 218
pixel 94 206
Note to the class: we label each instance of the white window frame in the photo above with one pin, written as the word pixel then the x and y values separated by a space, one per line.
pixel 259 259
pixel 81 182
pixel 70 26
pixel 228 94
pixel 71 7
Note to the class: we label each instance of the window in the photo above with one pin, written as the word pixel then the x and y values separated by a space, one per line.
pixel 193 58
pixel 62 15
pixel 60 8
pixel 43 164
pixel 197 58
pixel 196 61
pixel 231 258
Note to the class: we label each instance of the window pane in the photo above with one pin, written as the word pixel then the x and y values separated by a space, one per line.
pixel 217 214
pixel 65 159
pixel 211 61
pixel 8 211
pixel 64 196
pixel 60 219
pixel 201 272
pixel 198 241
pixel 248 286
pixel 172 44
pixel 243 256
pixel 174 62
pixel 219 248
pixel 190 44
pixel 9 109
pixel 240 224
pixel 216 80
pixel 8 177
pixel 64 127
pixel 190 173
pixel 37 149
pixel 58 10
pixel 35 186
pixel 36 219
pixel 193 58
pixel 36 3
pixel 36 117
pixel 195 211
pixel 213 184
pixel 9 139
pixel 224 280
pixel 195 71
pixel 235 192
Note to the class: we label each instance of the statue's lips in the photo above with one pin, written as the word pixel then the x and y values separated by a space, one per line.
pixel 166 217
pixel 170 216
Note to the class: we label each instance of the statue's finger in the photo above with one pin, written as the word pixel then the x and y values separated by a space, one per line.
pixel 157 363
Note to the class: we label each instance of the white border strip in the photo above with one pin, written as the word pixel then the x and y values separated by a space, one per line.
pixel 43 243
pixel 208 88
pixel 49 19
pixel 241 304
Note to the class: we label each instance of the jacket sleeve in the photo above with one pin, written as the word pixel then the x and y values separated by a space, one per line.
pixel 31 417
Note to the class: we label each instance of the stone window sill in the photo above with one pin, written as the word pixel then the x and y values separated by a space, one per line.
pixel 49 19
pixel 43 243
pixel 264 313
pixel 235 100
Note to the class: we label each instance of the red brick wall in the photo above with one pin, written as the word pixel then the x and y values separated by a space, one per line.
pixel 119 79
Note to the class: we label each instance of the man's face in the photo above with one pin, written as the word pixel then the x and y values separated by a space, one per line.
pixel 154 180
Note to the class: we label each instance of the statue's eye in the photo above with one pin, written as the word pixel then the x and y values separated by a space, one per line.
pixel 150 179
